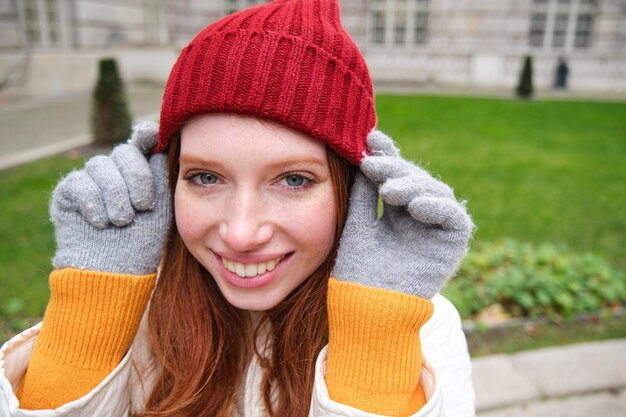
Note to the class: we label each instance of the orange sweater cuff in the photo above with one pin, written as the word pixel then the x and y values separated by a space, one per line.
pixel 374 351
pixel 89 324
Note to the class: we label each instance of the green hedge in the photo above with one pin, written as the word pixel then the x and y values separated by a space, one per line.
pixel 533 281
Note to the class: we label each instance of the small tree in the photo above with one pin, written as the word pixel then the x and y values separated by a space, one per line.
pixel 525 86
pixel 110 117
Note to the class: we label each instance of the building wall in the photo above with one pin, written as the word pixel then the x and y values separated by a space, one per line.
pixel 467 44
pixel 483 45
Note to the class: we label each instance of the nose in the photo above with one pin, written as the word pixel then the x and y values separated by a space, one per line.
pixel 246 225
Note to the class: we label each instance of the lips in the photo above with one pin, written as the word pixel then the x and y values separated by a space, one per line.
pixel 250 270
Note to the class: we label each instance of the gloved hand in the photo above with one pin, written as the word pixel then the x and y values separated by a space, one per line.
pixel 421 237
pixel 114 215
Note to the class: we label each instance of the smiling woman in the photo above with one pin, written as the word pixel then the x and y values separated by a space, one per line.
pixel 280 292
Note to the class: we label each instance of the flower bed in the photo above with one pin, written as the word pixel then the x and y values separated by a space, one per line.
pixel 508 279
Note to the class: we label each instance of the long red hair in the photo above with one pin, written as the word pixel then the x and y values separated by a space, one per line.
pixel 203 344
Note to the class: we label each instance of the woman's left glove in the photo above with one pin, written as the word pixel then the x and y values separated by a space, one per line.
pixel 386 271
pixel 421 237
pixel 114 215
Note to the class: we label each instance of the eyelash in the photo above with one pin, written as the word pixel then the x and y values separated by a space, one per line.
pixel 308 180
pixel 193 178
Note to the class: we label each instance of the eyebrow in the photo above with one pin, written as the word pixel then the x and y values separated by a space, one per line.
pixel 195 160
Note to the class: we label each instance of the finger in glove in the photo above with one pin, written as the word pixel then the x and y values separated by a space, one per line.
pixel 401 191
pixel 380 144
pixel 107 176
pixel 382 168
pixel 133 166
pixel 79 193
pixel 445 213
pixel 158 166
pixel 363 202
pixel 144 136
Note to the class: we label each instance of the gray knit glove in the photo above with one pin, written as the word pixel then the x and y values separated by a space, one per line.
pixel 113 216
pixel 418 242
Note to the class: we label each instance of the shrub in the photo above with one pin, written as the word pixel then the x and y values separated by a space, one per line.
pixel 110 117
pixel 534 281
pixel 525 86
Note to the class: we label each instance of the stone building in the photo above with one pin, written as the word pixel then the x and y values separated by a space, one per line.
pixel 51 46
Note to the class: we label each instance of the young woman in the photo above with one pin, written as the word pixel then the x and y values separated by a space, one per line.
pixel 280 291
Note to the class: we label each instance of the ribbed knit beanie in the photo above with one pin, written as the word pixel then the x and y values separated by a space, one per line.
pixel 289 61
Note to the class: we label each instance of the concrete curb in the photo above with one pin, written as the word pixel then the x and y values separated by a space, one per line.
pixel 562 375
pixel 17 158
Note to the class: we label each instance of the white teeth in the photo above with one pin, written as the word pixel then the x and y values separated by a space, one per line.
pixel 250 270
pixel 271 265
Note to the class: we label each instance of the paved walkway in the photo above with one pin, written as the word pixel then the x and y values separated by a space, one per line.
pixel 34 128
pixel 583 380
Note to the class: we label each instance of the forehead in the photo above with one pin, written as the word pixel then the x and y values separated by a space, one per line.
pixel 232 134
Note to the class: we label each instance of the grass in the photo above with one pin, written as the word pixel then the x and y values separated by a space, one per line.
pixel 534 171
pixel 27 240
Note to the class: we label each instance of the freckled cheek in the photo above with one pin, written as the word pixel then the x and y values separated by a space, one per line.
pixel 313 225
pixel 192 218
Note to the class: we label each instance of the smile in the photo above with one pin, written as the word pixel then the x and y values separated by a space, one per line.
pixel 250 270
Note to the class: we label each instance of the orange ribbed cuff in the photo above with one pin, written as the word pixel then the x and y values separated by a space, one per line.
pixel 374 351
pixel 89 324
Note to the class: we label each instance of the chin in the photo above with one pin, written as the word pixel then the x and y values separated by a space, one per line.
pixel 252 300
pixel 253 305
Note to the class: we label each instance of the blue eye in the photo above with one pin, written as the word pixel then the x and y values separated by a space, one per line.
pixel 295 180
pixel 207 178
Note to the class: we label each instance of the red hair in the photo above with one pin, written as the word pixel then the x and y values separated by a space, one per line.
pixel 203 344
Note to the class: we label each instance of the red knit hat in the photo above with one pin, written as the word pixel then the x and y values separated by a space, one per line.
pixel 287 60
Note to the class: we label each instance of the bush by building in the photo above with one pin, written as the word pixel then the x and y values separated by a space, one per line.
pixel 110 118
pixel 525 85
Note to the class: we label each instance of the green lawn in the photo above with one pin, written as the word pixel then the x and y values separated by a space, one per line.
pixel 26 239
pixel 534 171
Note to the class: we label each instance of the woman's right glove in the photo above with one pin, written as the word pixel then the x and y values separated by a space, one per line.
pixel 111 220
pixel 114 215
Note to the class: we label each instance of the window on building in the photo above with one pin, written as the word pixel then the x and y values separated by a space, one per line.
pixel 31 14
pixel 155 25
pixel 560 30
pixel 42 19
pixel 378 27
pixel 398 23
pixel 421 27
pixel 231 6
pixel 399 27
pixel 537 29
pixel 562 24
pixel 584 27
